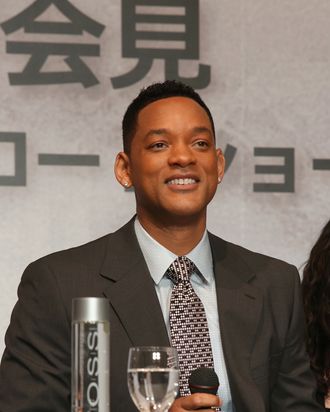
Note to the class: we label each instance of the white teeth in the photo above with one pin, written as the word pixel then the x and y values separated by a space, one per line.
pixel 186 181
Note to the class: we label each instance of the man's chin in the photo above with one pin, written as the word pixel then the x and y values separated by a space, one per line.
pixel 184 215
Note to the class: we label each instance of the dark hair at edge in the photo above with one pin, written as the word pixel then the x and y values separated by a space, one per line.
pixel 316 298
pixel 152 93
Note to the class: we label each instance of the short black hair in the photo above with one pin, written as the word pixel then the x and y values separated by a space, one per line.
pixel 150 94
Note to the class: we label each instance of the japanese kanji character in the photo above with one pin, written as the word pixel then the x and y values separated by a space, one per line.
pixel 161 29
pixel 40 51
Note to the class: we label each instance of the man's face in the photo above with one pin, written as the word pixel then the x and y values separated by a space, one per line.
pixel 173 163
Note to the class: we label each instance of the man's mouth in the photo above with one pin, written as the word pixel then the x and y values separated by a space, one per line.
pixel 185 181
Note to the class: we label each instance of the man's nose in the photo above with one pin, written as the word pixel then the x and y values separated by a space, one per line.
pixel 181 155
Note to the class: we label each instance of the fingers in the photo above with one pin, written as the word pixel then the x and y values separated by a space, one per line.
pixel 198 401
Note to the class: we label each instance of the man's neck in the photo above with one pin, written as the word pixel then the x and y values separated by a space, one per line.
pixel 179 238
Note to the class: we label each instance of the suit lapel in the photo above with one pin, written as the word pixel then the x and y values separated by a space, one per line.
pixel 132 294
pixel 131 291
pixel 240 307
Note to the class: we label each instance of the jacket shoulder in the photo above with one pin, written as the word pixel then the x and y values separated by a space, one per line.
pixel 85 258
pixel 262 266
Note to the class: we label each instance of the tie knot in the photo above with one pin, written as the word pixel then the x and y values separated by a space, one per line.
pixel 180 270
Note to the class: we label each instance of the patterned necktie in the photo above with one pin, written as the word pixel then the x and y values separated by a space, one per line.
pixel 188 323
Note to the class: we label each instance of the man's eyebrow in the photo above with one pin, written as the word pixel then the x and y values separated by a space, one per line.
pixel 163 131
pixel 160 132
pixel 202 129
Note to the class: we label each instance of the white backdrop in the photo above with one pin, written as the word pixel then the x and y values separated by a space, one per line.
pixel 269 87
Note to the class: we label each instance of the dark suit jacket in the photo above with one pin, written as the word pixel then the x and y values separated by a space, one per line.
pixel 260 318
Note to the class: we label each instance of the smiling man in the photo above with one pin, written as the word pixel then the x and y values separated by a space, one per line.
pixel 174 167
pixel 169 282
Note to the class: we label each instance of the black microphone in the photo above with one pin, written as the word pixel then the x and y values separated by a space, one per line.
pixel 203 380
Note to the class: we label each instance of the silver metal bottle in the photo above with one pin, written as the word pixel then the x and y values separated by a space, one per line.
pixel 90 362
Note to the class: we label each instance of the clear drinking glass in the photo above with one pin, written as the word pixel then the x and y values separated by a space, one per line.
pixel 153 377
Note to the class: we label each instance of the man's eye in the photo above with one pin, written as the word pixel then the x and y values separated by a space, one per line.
pixel 158 145
pixel 201 143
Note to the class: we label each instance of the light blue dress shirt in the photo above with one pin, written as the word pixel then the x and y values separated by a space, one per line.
pixel 158 259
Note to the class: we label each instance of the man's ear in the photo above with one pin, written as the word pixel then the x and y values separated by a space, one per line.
pixel 122 170
pixel 221 164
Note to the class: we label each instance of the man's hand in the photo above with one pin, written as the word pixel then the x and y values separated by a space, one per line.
pixel 197 401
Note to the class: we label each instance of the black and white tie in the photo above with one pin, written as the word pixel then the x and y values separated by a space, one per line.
pixel 188 323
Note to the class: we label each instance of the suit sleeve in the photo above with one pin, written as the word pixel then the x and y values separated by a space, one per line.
pixel 35 368
pixel 294 390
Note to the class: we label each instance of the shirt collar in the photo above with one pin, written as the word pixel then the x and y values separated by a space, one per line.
pixel 158 258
